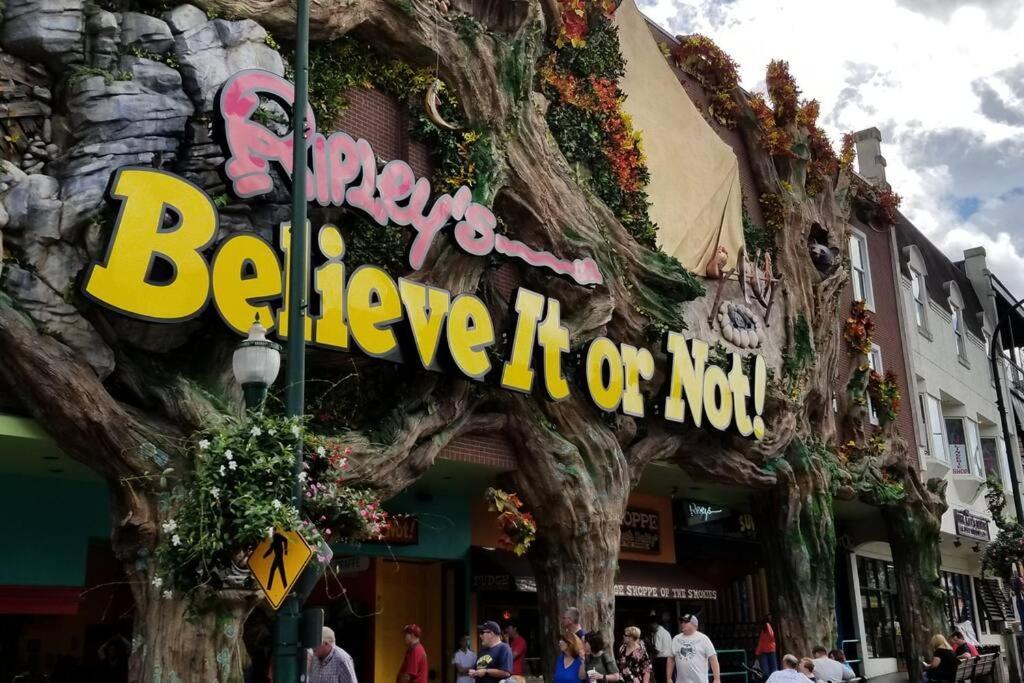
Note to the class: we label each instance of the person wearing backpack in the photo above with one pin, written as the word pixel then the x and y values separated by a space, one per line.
pixel 600 663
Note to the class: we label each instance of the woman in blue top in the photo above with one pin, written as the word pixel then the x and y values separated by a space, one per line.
pixel 569 664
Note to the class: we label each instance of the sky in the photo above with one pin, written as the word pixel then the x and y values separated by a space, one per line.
pixel 943 80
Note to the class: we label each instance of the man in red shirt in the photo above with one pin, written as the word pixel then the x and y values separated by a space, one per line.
pixel 414 666
pixel 961 647
pixel 518 646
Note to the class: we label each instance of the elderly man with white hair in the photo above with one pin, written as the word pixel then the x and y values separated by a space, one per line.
pixel 329 663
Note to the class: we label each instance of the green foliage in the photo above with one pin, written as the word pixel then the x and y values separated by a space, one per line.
pixel 405 6
pixel 756 239
pixel 366 241
pixel 600 56
pixel 719 355
pixel 1006 548
pixel 79 73
pixel 241 490
pixel 467 26
pixel 798 357
pixel 464 157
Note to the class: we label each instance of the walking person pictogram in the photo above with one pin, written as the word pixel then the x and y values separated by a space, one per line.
pixel 279 547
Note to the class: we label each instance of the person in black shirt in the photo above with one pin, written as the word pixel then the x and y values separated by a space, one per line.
pixel 942 668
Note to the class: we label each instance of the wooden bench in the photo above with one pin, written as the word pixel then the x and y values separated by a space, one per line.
pixel 975 668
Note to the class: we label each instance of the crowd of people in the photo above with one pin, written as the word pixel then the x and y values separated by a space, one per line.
pixel 688 657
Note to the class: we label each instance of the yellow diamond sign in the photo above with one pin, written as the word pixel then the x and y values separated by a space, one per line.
pixel 277 562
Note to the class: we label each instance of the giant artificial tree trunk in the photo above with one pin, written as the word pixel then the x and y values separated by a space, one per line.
pixel 914 535
pixel 798 547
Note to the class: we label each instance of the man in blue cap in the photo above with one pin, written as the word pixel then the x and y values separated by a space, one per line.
pixel 494 662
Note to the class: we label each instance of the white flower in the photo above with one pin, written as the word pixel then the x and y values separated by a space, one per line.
pixel 157 582
pixel 228 454
pixel 276 504
pixel 271 431
pixel 215 492
pixel 169 526
pixel 270 532
pixel 302 476
pixel 175 540
pixel 232 465
pixel 321 451
pixel 204 444
pixel 296 430
pixel 256 431
pixel 222 471
pixel 168 595
pixel 343 463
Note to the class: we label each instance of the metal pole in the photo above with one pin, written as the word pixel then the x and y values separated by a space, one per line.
pixel 1001 407
pixel 289 662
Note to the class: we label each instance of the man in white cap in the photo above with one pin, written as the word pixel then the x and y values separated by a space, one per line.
pixel 692 652
pixel 329 663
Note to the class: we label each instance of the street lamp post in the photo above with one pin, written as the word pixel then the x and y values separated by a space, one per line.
pixel 1001 407
pixel 289 662
pixel 255 364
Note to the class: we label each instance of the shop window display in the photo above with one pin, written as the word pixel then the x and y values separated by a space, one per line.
pixel 878 603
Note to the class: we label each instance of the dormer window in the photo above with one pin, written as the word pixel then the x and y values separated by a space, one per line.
pixel 958 332
pixel 920 307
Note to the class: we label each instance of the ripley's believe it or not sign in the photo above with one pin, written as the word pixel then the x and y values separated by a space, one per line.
pixel 368 308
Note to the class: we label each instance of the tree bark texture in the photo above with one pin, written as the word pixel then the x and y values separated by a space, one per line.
pixel 575 466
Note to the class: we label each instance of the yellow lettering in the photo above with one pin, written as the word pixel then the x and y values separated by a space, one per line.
pixel 425 310
pixel 740 386
pixel 553 337
pixel 637 364
pixel 717 398
pixel 687 373
pixel 374 304
pixel 124 280
pixel 517 373
pixel 470 332
pixel 329 283
pixel 604 374
pixel 245 272
pixel 284 241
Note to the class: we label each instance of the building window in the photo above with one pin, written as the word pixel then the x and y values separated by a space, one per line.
pixel 920 307
pixel 875 363
pixel 974 447
pixel 958 605
pixel 958 332
pixel 860 272
pixel 990 457
pixel 956 442
pixel 936 440
pixel 878 603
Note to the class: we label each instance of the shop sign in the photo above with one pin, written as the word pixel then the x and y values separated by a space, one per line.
pixel 629 590
pixel 396 319
pixel 640 531
pixel 969 525
pixel 401 530
pixel 504 582
pixel 347 566
pixel 702 513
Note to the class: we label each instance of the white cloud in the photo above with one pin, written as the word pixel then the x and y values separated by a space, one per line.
pixel 942 79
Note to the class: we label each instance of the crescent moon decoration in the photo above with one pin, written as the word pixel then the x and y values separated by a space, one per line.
pixel 431 103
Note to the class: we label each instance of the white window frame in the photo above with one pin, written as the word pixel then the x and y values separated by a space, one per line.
pixel 875 364
pixel 859 241
pixel 920 298
pixel 959 336
pixel 935 431
pixel 967 459
pixel 973 434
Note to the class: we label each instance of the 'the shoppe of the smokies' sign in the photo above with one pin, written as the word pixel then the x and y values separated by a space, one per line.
pixel 393 319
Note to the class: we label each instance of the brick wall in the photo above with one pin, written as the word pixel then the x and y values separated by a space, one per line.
pixel 887 324
pixel 384 123
pixel 492 450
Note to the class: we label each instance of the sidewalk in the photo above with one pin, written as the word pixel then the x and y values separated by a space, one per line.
pixel 897 677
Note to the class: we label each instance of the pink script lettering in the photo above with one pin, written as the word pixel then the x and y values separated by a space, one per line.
pixel 344 172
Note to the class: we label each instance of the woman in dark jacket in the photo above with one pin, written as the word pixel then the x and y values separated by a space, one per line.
pixel 942 668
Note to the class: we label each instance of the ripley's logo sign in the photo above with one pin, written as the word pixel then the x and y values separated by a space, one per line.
pixel 399 320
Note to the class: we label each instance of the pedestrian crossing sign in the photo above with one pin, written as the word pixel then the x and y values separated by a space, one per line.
pixel 277 562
